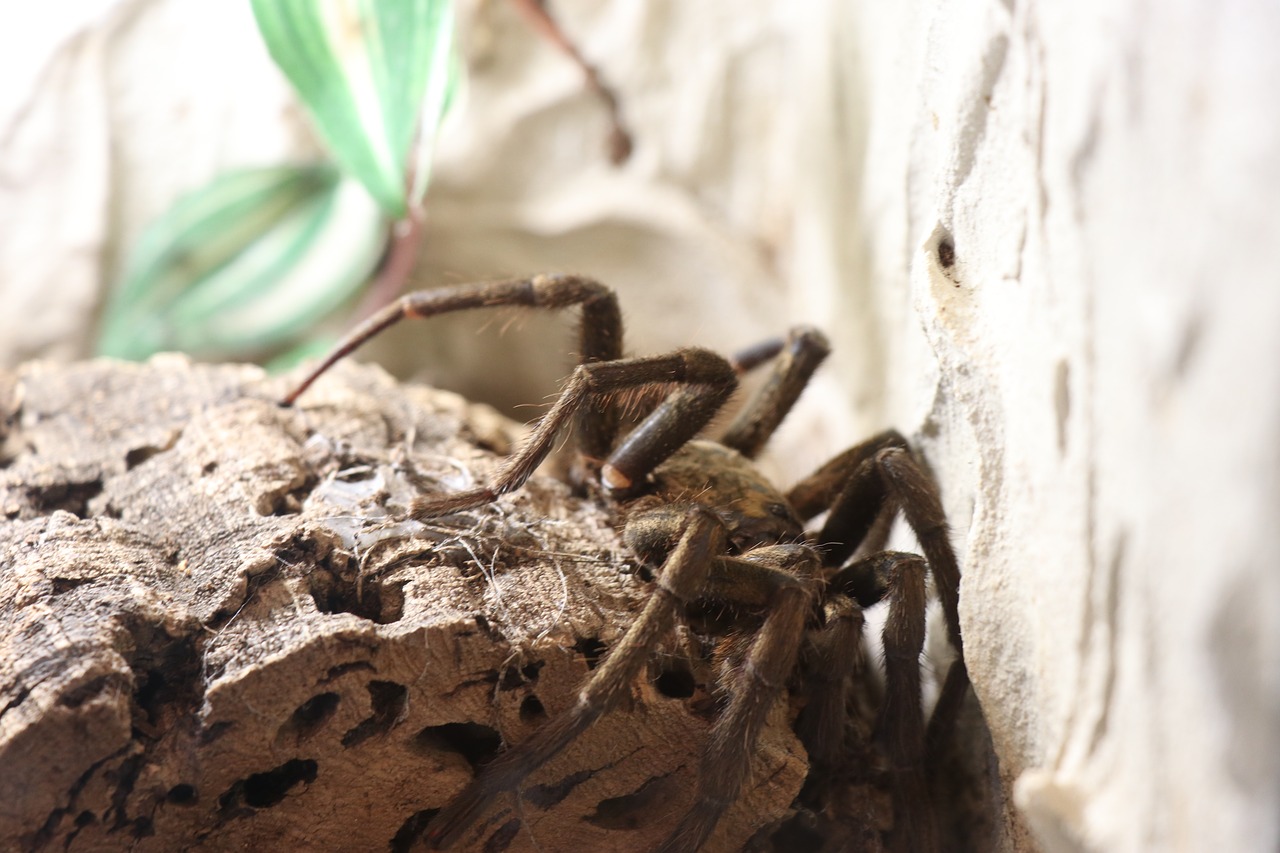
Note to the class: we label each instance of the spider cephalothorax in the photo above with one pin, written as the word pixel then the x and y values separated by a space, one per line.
pixel 724 481
pixel 711 529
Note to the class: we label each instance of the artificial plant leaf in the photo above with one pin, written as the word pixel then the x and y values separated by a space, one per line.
pixel 366 71
pixel 246 263
pixel 441 91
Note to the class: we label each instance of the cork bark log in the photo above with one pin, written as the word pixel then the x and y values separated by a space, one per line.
pixel 208 640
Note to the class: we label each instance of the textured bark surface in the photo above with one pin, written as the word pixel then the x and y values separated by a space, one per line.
pixel 209 641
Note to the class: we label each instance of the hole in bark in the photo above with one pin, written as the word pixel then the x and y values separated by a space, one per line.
pixel 531 709
pixel 209 468
pixel 69 497
pixel 342 669
pixel 514 679
pixel 182 795
pixel 380 603
pixel 152 688
pixel 167 679
pixel 636 809
pixel 284 504
pixel 264 790
pixel 502 839
pixel 63 585
pixel 675 683
pixel 590 648
pixel 411 830
pixel 138 455
pixel 388 701
pixel 309 717
pixel 474 742
pixel 85 818
pixel 546 796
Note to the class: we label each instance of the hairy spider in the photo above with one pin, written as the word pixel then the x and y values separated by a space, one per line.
pixel 714 530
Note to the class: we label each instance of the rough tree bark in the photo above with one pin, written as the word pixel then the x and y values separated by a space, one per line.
pixel 205 643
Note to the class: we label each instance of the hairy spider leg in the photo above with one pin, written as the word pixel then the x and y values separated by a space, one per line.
pixel 795 361
pixel 857 485
pixel 860 486
pixel 600 331
pixel 900 578
pixel 885 473
pixel 821 490
pixel 781 576
pixel 832 658
pixel 681 579
pixel 704 382
pixel 917 494
pixel 707 381
pixel 801 351
pixel 749 358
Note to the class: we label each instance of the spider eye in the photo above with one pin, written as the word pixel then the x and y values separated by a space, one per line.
pixel 779 511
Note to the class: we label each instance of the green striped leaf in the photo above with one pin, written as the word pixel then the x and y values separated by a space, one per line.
pixel 371 73
pixel 248 263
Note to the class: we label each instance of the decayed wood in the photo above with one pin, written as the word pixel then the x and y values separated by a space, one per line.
pixel 209 640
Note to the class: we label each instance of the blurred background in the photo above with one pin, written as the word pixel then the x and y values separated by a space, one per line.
pixel 1040 239
pixel 136 103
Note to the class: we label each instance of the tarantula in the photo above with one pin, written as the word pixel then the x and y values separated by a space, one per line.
pixel 712 529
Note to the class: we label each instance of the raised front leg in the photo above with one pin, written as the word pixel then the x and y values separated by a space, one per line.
pixel 600 337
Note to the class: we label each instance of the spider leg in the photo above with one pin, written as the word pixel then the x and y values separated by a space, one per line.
pixel 796 359
pixel 749 358
pixel 819 491
pixel 900 578
pixel 780 576
pixel 860 486
pixel 946 712
pixel 601 330
pixel 887 474
pixel 917 494
pixel 704 380
pixel 833 657
pixel 682 579
pixel 857 485
pixel 639 405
